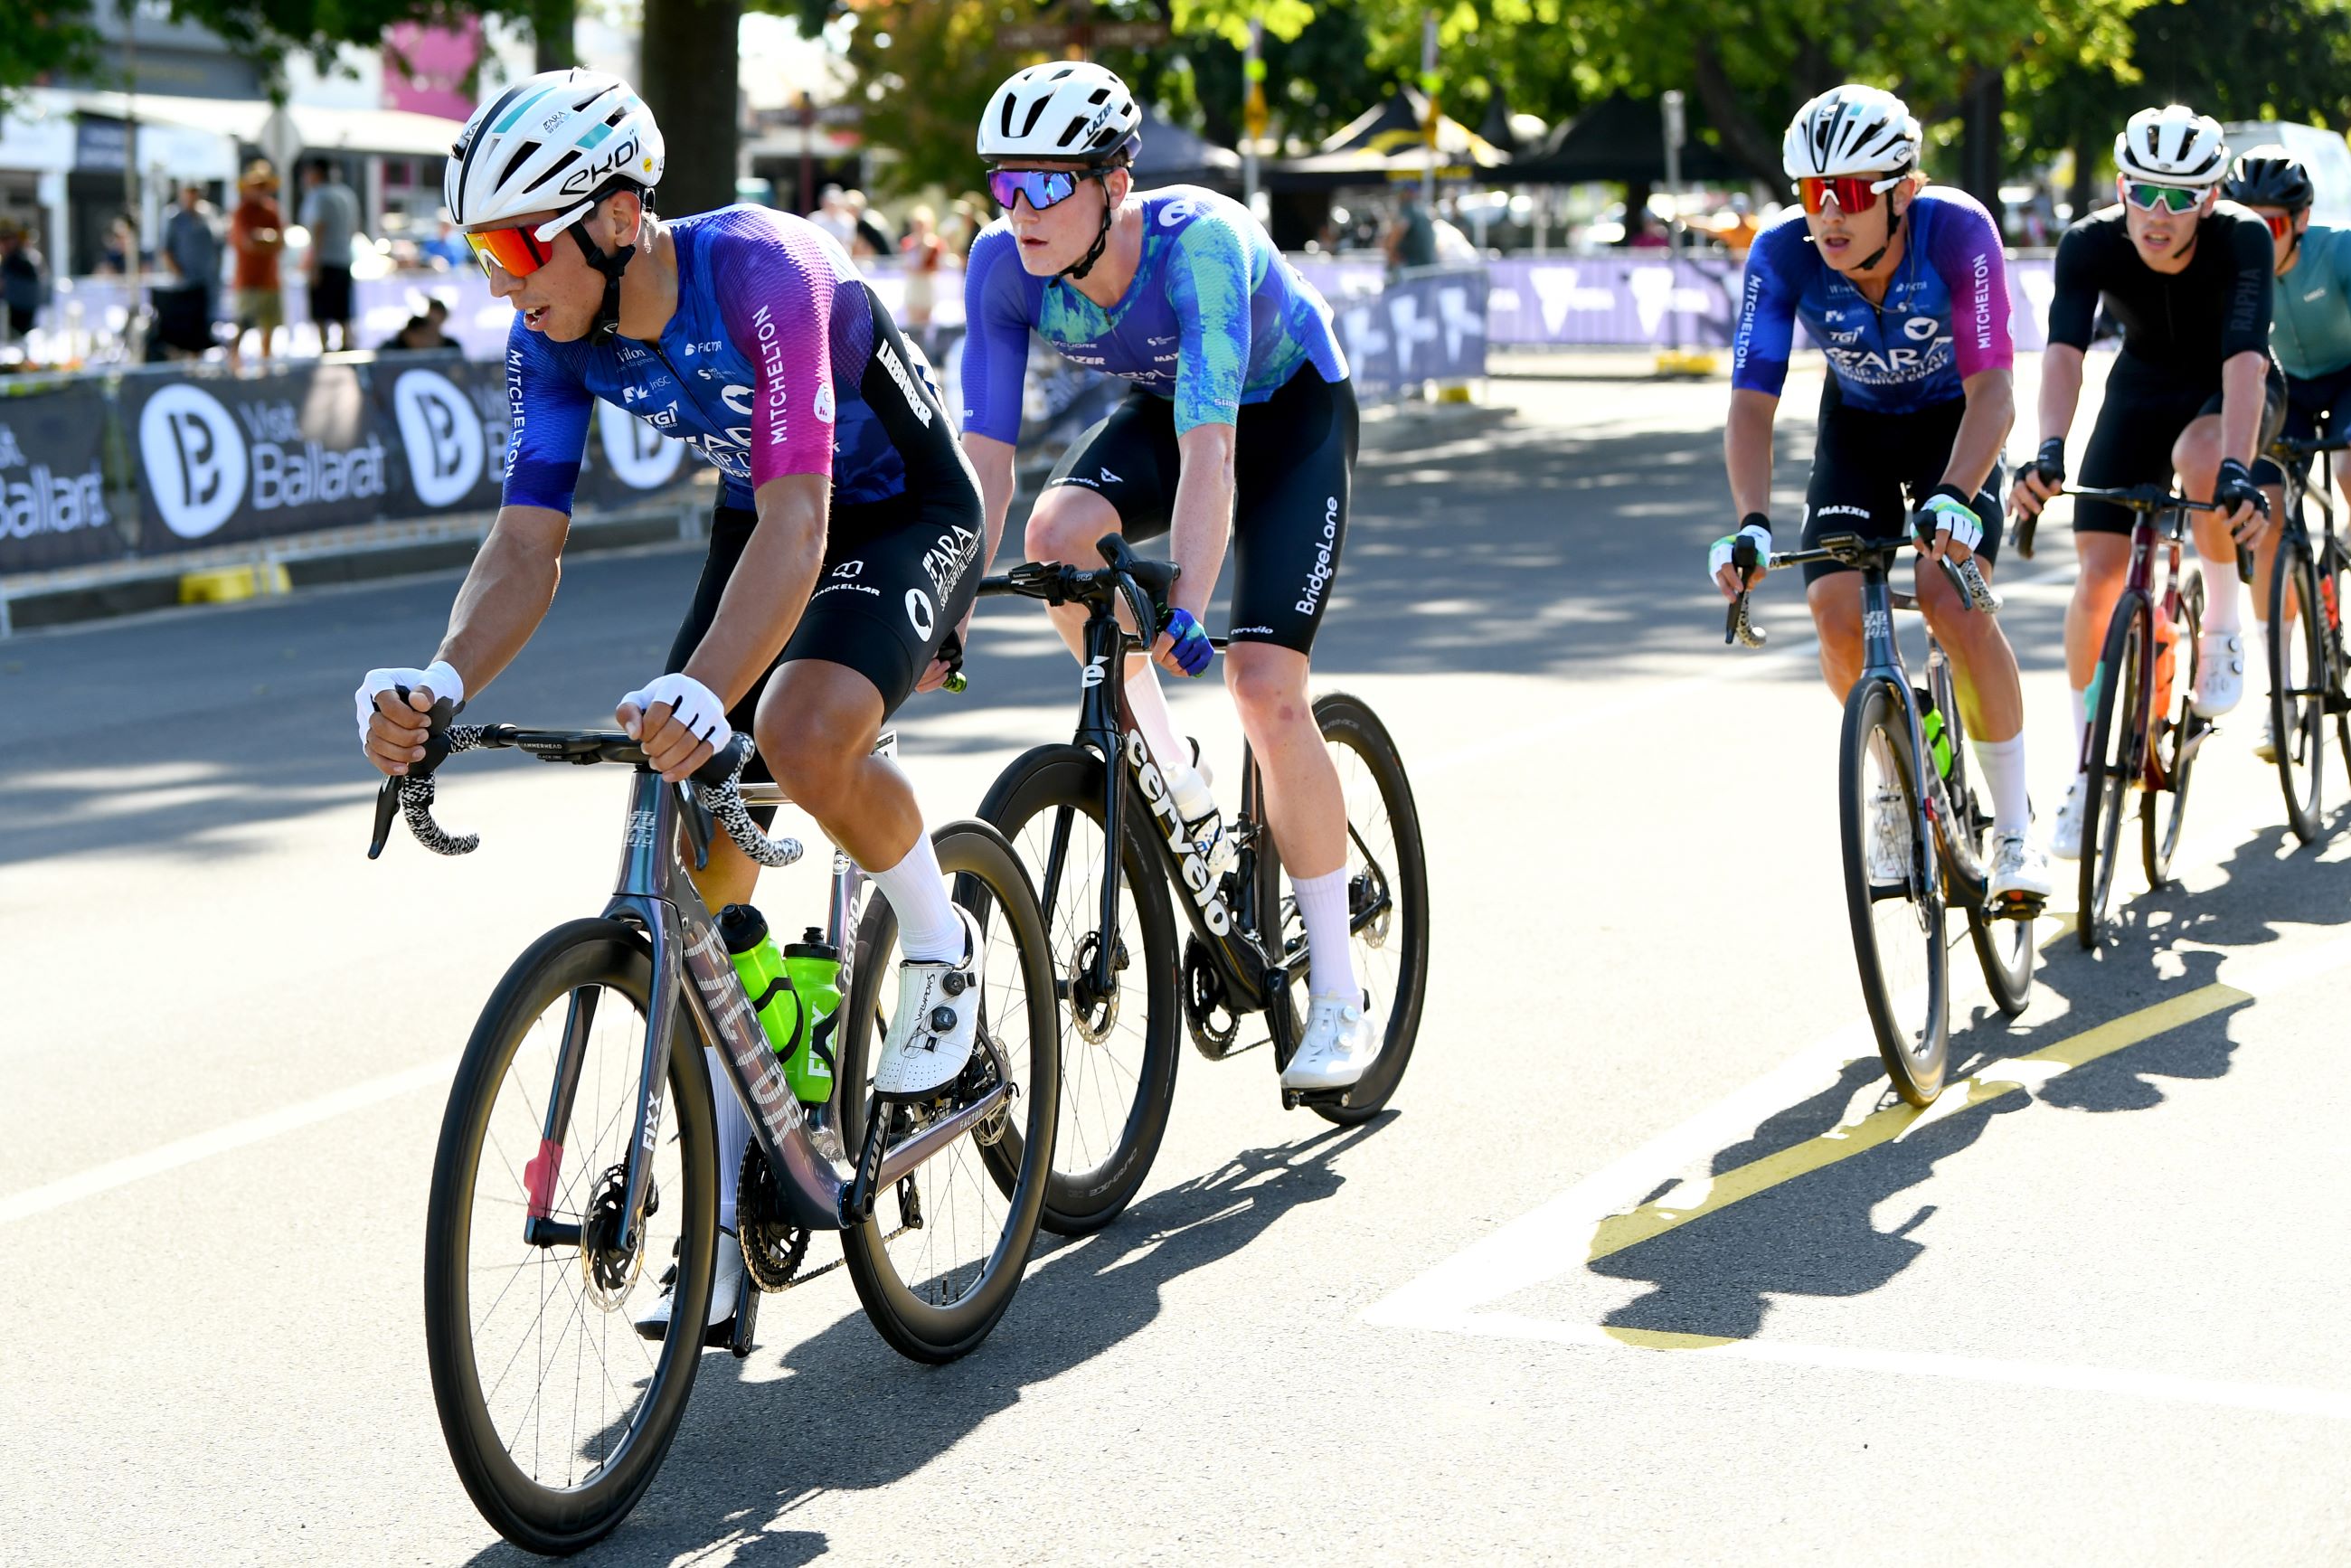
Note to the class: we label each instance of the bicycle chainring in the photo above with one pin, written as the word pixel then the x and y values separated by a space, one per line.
pixel 1207 1010
pixel 773 1247
pixel 607 1272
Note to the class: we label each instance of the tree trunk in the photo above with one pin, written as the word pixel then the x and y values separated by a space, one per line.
pixel 1742 137
pixel 550 25
pixel 1983 139
pixel 688 63
pixel 2082 190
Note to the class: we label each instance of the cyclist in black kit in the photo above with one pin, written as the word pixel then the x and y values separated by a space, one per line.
pixel 2194 392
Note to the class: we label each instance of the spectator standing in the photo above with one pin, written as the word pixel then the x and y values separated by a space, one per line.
pixel 191 249
pixel 23 287
pixel 1412 237
pixel 330 210
pixel 868 238
pixel 256 233
pixel 926 252
pixel 833 216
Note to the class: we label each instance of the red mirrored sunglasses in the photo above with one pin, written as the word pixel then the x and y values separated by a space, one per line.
pixel 1851 193
pixel 2281 225
pixel 518 251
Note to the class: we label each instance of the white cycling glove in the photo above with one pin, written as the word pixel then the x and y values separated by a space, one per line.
pixel 439 678
pixel 1719 556
pixel 691 702
pixel 1954 517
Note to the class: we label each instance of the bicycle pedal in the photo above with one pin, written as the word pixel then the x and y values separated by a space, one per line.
pixel 2019 906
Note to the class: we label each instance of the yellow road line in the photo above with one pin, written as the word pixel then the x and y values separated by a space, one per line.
pixel 1651 1221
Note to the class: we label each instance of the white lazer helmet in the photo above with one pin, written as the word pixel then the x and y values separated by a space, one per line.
pixel 1063 109
pixel 556 141
pixel 2173 145
pixel 1851 130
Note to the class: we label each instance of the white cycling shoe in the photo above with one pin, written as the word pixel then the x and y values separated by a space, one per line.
pixel 1889 837
pixel 726 1292
pixel 2018 870
pixel 1338 1048
pixel 2065 836
pixel 937 1020
pixel 2220 673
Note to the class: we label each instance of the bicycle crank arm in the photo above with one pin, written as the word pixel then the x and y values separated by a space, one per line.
pixel 874 1175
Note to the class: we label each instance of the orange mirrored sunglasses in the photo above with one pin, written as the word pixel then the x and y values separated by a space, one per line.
pixel 518 251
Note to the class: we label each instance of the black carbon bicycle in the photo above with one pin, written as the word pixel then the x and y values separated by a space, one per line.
pixel 2309 663
pixel 1915 835
pixel 580 1144
pixel 1112 922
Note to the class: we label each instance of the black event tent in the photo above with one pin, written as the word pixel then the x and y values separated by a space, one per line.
pixel 1619 139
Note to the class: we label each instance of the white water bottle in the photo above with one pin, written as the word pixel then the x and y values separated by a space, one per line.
pixel 1197 804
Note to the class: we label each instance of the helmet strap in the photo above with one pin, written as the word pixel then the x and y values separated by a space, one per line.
pixel 1085 262
pixel 1894 223
pixel 611 264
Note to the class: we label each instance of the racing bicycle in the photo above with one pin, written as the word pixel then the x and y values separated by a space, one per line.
pixel 2309 663
pixel 580 1146
pixel 1915 836
pixel 1111 921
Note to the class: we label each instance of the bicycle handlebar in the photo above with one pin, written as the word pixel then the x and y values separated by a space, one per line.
pixel 717 784
pixel 1966 578
pixel 1056 582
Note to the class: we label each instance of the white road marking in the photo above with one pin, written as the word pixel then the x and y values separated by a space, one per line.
pixel 222 1140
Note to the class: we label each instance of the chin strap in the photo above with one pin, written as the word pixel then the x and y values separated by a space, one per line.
pixel 1893 230
pixel 1085 262
pixel 608 314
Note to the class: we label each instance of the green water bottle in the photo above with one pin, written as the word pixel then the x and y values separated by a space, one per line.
pixel 813 966
pixel 765 977
pixel 1938 739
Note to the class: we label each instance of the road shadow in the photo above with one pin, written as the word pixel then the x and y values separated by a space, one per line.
pixel 853 1416
pixel 1818 1234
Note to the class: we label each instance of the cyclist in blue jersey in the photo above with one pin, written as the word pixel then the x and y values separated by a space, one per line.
pixel 1240 417
pixel 844 551
pixel 1904 286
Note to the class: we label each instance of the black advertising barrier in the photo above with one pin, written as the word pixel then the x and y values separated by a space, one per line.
pixel 449 419
pixel 54 509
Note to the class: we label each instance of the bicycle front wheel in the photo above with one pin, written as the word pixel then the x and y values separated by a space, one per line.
pixel 1387 902
pixel 2298 683
pixel 556 1413
pixel 2171 724
pixel 938 1261
pixel 1118 1072
pixel 2117 724
pixel 2334 590
pixel 1894 897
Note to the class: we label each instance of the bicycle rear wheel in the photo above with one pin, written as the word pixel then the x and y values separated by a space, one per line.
pixel 1894 897
pixel 1118 1073
pixel 2171 725
pixel 2298 681
pixel 1387 902
pixel 2334 590
pixel 2117 721
pixel 937 1262
pixel 2004 947
pixel 556 1414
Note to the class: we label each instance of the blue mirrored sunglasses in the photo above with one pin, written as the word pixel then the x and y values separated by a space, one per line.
pixel 1043 187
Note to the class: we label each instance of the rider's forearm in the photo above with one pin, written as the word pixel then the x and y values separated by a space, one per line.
pixel 992 460
pixel 506 593
pixel 2241 395
pixel 1203 513
pixel 769 591
pixel 1992 409
pixel 2060 390
pixel 1747 450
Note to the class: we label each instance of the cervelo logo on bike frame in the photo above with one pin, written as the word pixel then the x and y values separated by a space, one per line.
pixel 1094 672
pixel 1318 576
pixel 1213 913
pixel 738 1025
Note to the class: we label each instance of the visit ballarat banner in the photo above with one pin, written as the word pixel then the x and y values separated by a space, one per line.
pixel 54 509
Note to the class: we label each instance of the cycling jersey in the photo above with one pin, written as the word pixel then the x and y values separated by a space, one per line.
pixel 1945 316
pixel 2189 323
pixel 761 369
pixel 2310 332
pixel 1214 319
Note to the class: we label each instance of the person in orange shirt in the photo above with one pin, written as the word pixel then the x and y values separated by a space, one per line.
pixel 256 231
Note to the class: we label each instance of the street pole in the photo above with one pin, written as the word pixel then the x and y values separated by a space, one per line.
pixel 1253 110
pixel 1428 85
pixel 134 326
pixel 808 154
pixel 1672 104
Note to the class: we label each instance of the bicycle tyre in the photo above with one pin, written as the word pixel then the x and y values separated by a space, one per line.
pixel 1046 781
pixel 2004 947
pixel 2334 590
pixel 2169 805
pixel 1916 1061
pixel 2111 722
pixel 1348 722
pixel 544 1520
pixel 2298 716
pixel 987 879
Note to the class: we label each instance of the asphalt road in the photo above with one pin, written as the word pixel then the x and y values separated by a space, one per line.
pixel 1641 1268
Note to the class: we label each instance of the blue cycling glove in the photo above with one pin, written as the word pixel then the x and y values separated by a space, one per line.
pixel 1192 648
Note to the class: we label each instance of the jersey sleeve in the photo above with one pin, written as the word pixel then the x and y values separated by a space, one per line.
pixel 1968 254
pixel 2246 328
pixel 546 434
pixel 1766 319
pixel 996 319
pixel 777 308
pixel 2073 307
pixel 1208 289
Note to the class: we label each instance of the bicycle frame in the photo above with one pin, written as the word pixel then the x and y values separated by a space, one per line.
pixel 653 893
pixel 2294 465
pixel 2139 594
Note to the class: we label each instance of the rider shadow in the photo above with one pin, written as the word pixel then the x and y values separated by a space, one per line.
pixel 852 1416
pixel 1819 1235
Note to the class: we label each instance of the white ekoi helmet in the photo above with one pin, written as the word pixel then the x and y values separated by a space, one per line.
pixel 2173 145
pixel 1851 130
pixel 557 140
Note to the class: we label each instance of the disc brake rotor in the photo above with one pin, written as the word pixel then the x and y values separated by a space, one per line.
pixel 608 1272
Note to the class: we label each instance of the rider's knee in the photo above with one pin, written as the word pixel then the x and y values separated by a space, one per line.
pixel 2196 453
pixel 1265 689
pixel 1056 527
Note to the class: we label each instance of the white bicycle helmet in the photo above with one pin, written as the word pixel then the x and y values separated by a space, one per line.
pixel 2173 145
pixel 1063 109
pixel 556 141
pixel 1851 130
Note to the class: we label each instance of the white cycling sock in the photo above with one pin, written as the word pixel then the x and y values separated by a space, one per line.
pixel 2258 647
pixel 928 929
pixel 733 1135
pixel 1330 951
pixel 2002 763
pixel 2220 609
pixel 2081 712
pixel 1149 705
